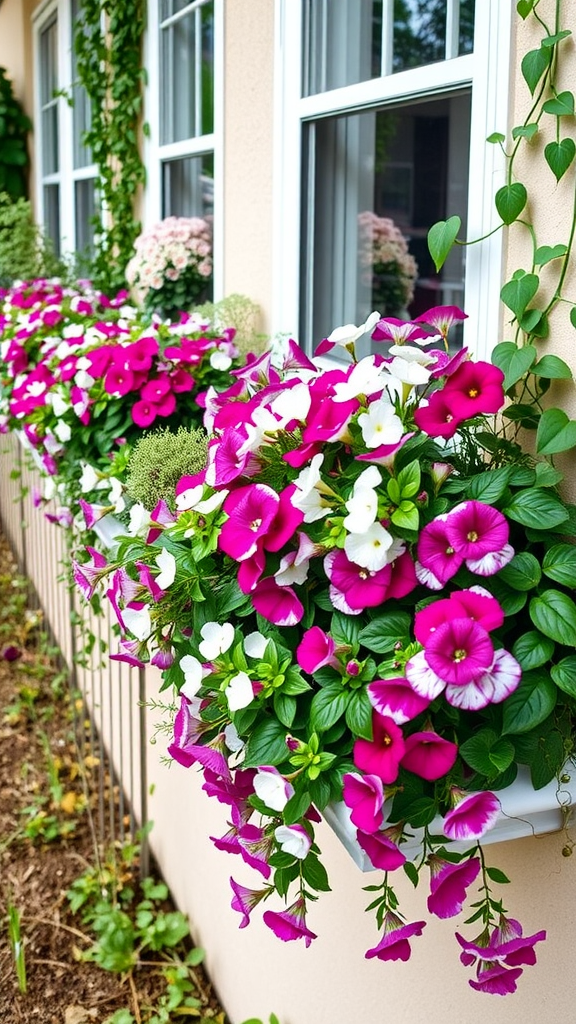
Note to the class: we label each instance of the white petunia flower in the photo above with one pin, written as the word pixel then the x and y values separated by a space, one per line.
pixel 293 839
pixel 63 431
pixel 88 479
pixel 380 424
pixel 167 564
pixel 239 692
pixel 290 571
pixel 193 674
pixel 364 379
pixel 60 405
pixel 188 498
pixel 293 403
pixel 369 549
pixel 216 639
pixel 220 361
pixel 137 621
pixel 350 333
pixel 255 645
pixel 139 519
pixel 272 788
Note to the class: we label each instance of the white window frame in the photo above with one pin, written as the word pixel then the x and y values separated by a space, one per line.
pixel 67 175
pixel 486 72
pixel 156 154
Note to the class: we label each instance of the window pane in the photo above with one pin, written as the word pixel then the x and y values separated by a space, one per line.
pixel 81 112
pixel 84 212
pixel 374 183
pixel 343 39
pixel 48 62
pixel 188 187
pixel 52 214
pixel 342 43
pixel 186 75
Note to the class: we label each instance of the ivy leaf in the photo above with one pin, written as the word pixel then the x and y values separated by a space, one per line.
pixel 530 704
pixel 517 293
pixel 556 433
pixel 554 614
pixel 545 253
pixel 573 316
pixel 510 201
pixel 525 131
pixel 559 156
pixel 534 64
pixel 561 105
pixel 523 572
pixel 513 361
pixel 534 507
pixel 495 138
pixel 552 40
pixel 487 753
pixel 552 367
pixel 524 7
pixel 559 564
pixel 564 675
pixel 441 238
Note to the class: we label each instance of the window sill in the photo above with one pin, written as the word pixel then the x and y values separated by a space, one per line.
pixel 524 812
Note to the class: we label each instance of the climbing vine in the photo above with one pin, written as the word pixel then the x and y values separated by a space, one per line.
pixel 528 377
pixel 108 45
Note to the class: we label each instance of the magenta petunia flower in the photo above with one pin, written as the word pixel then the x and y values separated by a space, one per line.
pixel 382 754
pixel 472 816
pixel 437 555
pixel 440 418
pixel 476 387
pixel 315 650
pixel 381 851
pixel 244 900
pixel 495 979
pixel 390 328
pixel 396 699
pixel 448 885
pixel 119 380
pixel 364 794
pixel 279 605
pixel 459 651
pixel 144 413
pixel 474 529
pixel 250 511
pixel 290 924
pixel 354 587
pixel 429 755
pixel 155 389
pixel 394 944
pixel 507 945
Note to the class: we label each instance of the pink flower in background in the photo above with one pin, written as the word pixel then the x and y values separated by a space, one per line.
pixel 144 413
pixel 382 754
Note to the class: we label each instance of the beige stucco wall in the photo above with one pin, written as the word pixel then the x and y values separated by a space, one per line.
pixel 248 133
pixel 12 36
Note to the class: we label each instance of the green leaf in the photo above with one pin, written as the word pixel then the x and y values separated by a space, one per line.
pixel 534 64
pixel 523 572
pixel 532 650
pixel 530 704
pixel 517 293
pixel 548 760
pixel 406 518
pixel 510 201
pixel 552 367
pixel 359 714
pixel 421 812
pixel 496 137
pixel 552 40
pixel 525 131
pixel 527 415
pixel 315 873
pixel 546 475
pixel 384 632
pixel 554 614
pixel 441 238
pixel 556 433
pixel 573 316
pixel 284 708
pixel 411 871
pixel 559 156
pixel 561 105
pixel 490 485
pixel 409 480
pixel 536 507
pixel 530 320
pixel 545 253
pixel 328 705
pixel 559 564
pixel 513 361
pixel 266 745
pixel 564 675
pixel 487 753
pixel 524 8
pixel 495 875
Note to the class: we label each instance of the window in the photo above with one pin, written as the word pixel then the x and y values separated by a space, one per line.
pixel 184 111
pixel 67 175
pixel 388 125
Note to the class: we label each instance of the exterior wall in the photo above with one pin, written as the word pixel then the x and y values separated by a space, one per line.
pixel 13 30
pixel 248 140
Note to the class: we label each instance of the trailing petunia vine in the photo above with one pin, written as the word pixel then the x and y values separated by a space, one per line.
pixel 108 45
pixel 528 377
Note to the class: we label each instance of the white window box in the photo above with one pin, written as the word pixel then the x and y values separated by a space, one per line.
pixel 524 812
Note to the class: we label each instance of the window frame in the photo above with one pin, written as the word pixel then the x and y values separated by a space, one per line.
pixel 486 71
pixel 156 153
pixel 67 176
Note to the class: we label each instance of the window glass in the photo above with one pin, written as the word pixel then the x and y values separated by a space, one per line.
pixel 51 196
pixel 351 41
pixel 84 211
pixel 81 113
pixel 48 99
pixel 188 187
pixel 186 71
pixel 374 183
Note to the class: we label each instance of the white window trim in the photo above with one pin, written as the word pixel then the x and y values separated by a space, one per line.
pixel 67 175
pixel 486 71
pixel 154 153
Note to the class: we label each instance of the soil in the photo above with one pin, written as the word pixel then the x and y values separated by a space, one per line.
pixel 44 769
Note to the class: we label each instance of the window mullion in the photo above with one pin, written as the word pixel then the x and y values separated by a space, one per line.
pixel 452 28
pixel 387 37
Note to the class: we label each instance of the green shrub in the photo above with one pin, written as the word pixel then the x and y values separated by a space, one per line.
pixel 14 128
pixel 25 250
pixel 159 460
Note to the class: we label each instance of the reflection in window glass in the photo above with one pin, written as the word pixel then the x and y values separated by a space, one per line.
pixel 382 178
pixel 51 205
pixel 187 72
pixel 425 31
pixel 84 211
pixel 81 112
pixel 48 100
pixel 188 187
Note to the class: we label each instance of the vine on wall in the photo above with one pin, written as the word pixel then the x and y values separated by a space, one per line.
pixel 108 45
pixel 527 376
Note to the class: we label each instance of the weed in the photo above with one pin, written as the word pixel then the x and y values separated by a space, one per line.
pixel 17 945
